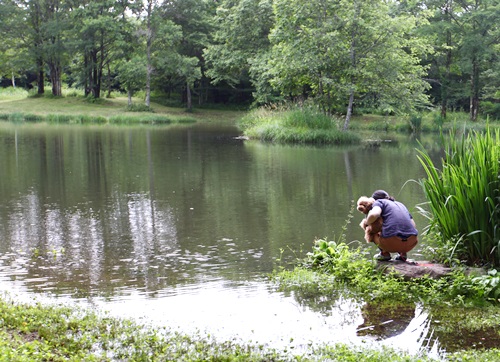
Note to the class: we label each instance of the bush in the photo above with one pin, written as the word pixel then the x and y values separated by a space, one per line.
pixel 415 120
pixel 13 93
pixel 134 107
pixel 491 109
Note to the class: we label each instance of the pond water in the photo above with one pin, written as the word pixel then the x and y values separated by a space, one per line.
pixel 179 225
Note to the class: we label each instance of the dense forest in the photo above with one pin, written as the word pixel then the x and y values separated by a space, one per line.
pixel 343 55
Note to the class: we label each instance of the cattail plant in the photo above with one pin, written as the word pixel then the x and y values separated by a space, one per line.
pixel 464 195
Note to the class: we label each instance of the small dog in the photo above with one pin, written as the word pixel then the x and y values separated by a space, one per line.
pixel 364 205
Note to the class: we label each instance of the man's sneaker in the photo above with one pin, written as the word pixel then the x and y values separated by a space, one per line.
pixel 383 257
pixel 401 257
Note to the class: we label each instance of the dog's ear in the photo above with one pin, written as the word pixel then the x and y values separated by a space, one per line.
pixel 362 207
pixel 362 204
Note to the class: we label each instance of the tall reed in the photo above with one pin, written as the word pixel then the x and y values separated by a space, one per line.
pixel 464 196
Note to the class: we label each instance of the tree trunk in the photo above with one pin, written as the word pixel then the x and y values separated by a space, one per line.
pixel 89 90
pixel 55 79
pixel 35 15
pixel 129 96
pixel 446 82
pixel 189 100
pixel 40 78
pixel 95 75
pixel 109 82
pixel 349 110
pixel 149 69
pixel 13 80
pixel 474 96
pixel 87 79
pixel 353 66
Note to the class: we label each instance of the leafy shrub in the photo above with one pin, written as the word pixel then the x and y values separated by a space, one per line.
pixel 16 117
pixel 73 94
pixel 415 120
pixel 32 118
pixel 491 109
pixel 307 117
pixel 490 283
pixel 13 93
pixel 134 107
pixel 438 119
pixel 59 118
pixel 93 100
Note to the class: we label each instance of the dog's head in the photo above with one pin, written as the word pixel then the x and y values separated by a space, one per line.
pixel 364 204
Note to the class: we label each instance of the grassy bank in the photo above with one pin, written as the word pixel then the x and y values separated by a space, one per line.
pixel 304 124
pixel 286 124
pixel 18 107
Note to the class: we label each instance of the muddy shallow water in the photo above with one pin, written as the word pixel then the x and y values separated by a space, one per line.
pixel 179 225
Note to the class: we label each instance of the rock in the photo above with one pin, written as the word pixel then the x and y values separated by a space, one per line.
pixel 414 269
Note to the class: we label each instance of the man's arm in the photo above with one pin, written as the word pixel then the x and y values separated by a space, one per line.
pixel 373 215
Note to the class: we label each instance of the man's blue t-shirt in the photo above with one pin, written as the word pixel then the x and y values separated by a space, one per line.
pixel 397 219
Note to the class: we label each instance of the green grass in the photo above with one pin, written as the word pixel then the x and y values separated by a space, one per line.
pixel 12 93
pixel 77 109
pixel 294 124
pixel 287 124
pixel 429 122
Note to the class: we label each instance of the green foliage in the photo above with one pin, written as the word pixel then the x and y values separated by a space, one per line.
pixel 464 43
pixel 334 266
pixel 438 120
pixel 415 120
pixel 74 119
pixel 490 283
pixel 12 93
pixel 348 49
pixel 95 119
pixel 491 109
pixel 46 333
pixel 131 73
pixel 332 255
pixel 16 117
pixel 307 117
pixel 346 354
pixel 94 100
pixel 475 355
pixel 294 124
pixel 139 107
pixel 464 196
pixel 240 40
